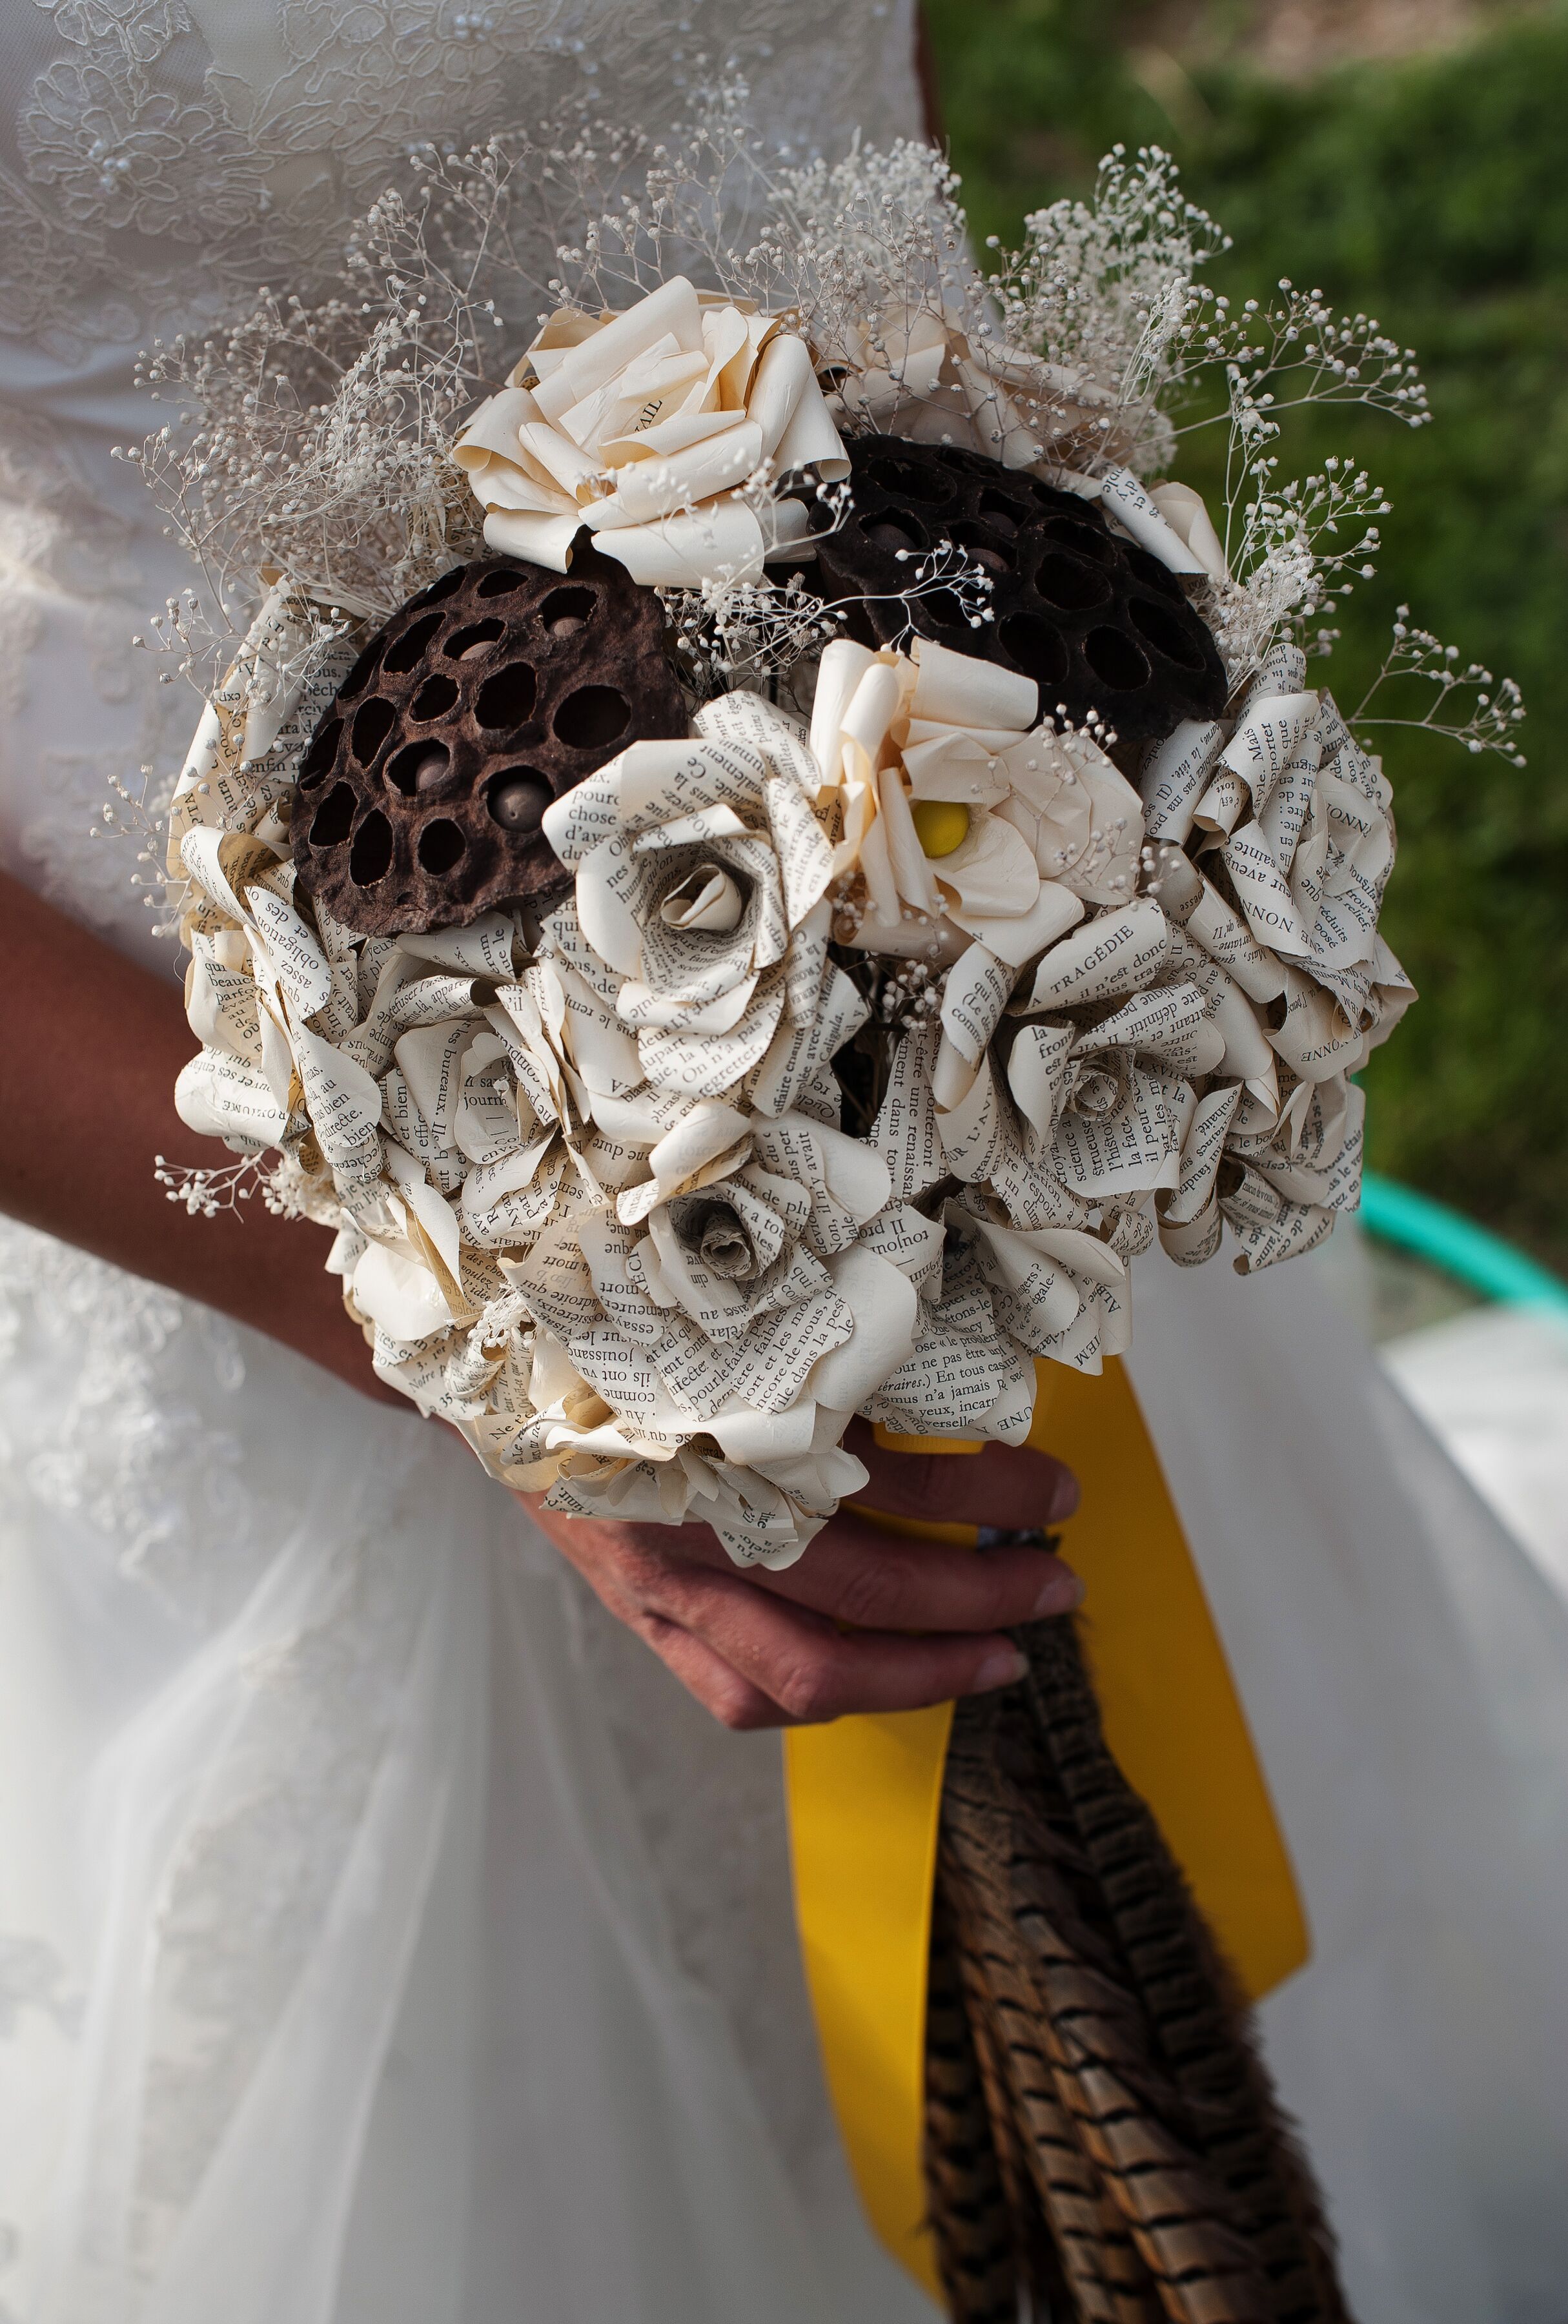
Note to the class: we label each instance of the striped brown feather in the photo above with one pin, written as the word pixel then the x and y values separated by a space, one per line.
pixel 1111 2053
pixel 972 2216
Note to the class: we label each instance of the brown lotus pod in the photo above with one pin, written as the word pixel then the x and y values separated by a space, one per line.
pixel 1102 627
pixel 483 699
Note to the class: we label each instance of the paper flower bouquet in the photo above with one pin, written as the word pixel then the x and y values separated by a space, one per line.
pixel 772 929
pixel 748 869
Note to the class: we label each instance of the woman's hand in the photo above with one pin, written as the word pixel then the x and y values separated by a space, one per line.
pixel 926 1622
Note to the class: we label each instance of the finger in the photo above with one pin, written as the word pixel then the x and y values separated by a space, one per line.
pixel 1006 1485
pixel 877 1581
pixel 617 1569
pixel 721 1689
pixel 815 1671
pixel 792 1655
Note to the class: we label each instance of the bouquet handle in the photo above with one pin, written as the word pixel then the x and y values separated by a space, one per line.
pixel 865 1798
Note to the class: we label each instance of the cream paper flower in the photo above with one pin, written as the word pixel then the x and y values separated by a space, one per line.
pixel 700 909
pixel 963 819
pixel 643 426
pixel 725 1297
pixel 1280 929
pixel 920 375
pixel 917 374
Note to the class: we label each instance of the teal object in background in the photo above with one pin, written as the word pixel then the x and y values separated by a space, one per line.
pixel 1431 1231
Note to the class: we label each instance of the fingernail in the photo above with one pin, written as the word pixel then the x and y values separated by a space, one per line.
pixel 1062 1594
pixel 1002 1667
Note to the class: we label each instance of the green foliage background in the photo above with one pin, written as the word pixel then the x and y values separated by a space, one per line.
pixel 1431 192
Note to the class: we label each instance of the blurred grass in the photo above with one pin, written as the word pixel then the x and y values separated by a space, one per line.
pixel 1430 191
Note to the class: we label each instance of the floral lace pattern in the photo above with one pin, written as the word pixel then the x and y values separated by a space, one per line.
pixel 125 1428
pixel 142 143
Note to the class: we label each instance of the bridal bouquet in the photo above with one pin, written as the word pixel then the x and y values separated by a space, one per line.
pixel 752 856
pixel 832 857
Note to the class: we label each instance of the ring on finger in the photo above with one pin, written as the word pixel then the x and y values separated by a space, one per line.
pixel 1015 1537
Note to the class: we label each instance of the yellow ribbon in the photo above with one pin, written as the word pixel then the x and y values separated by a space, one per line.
pixel 865 1796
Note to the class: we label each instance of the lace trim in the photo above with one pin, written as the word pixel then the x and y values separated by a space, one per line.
pixel 140 147
pixel 116 1431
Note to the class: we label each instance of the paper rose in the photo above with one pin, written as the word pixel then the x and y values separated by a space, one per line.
pixel 917 373
pixel 699 907
pixel 643 426
pixel 961 817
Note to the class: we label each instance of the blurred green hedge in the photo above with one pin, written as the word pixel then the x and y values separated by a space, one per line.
pixel 1431 192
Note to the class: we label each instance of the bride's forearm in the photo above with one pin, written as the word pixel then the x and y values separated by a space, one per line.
pixel 90 1045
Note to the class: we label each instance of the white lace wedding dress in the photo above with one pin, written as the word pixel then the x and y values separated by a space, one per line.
pixel 383 1938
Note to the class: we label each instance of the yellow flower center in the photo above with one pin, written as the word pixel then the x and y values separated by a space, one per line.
pixel 940 824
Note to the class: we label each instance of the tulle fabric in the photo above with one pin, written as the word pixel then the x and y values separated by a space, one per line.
pixel 1403 1665
pixel 391 1943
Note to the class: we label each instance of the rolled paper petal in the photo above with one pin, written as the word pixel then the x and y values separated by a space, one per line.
pixel 1184 511
pixel 491 431
pixel 960 690
pixel 721 540
pixel 992 871
pixel 783 377
pixel 1126 501
pixel 544 540
pixel 1018 938
pixel 671 311
pixel 648 490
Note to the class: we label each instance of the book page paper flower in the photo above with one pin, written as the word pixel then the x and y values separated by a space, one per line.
pixel 644 426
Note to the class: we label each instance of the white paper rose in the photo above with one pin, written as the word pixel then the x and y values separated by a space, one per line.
pixel 725 1298
pixel 643 426
pixel 962 817
pixel 699 907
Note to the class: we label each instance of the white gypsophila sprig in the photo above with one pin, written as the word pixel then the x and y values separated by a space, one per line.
pixel 1286 554
pixel 1106 288
pixel 315 444
pixel 139 818
pixel 1298 350
pixel 1467 704
pixel 849 241
pixel 207 1194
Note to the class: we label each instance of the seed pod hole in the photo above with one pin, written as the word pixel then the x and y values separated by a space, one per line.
pixel 565 611
pixel 502 583
pixel 593 717
pixel 442 587
pixel 507 699
pixel 333 820
pixel 896 533
pixel 475 641
pixel 517 798
pixel 370 857
pixel 978 543
pixel 1071 584
pixel 1004 515
pixel 417 767
pixel 364 670
pixel 433 698
pixel 372 723
pixel 406 653
pixel 441 846
pixel 1115 660
pixel 1082 540
pixel 1040 652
